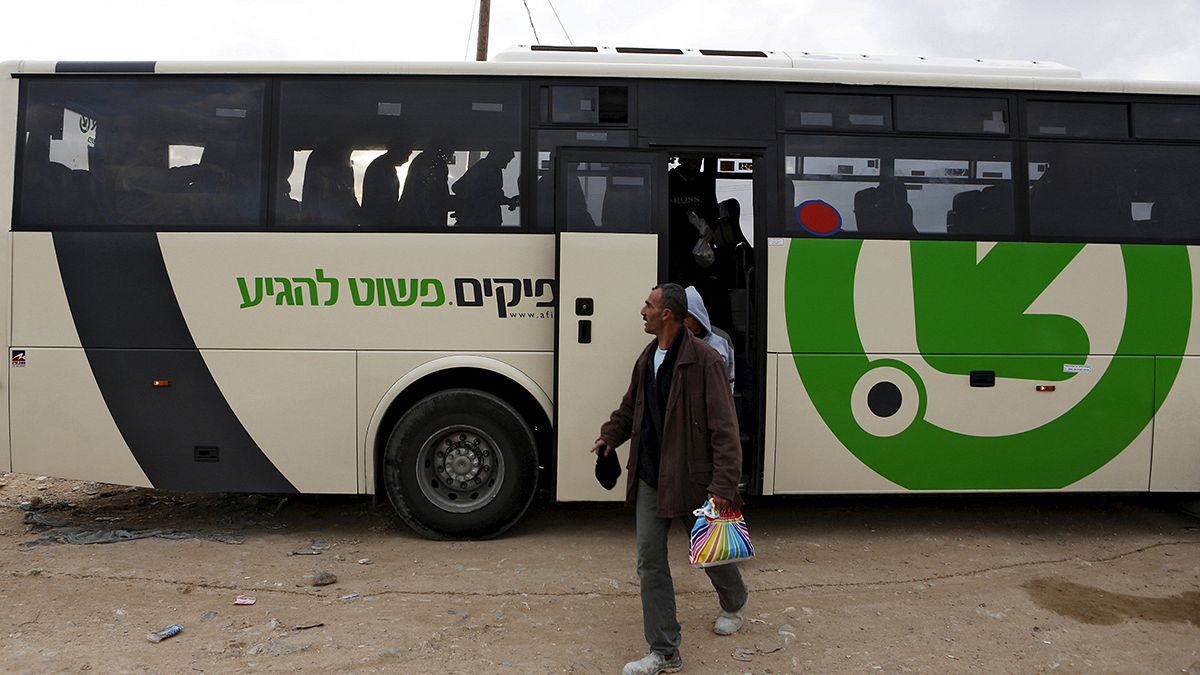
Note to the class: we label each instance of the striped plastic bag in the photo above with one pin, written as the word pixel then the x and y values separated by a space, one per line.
pixel 719 538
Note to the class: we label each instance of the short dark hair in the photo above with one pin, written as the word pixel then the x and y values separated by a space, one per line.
pixel 674 298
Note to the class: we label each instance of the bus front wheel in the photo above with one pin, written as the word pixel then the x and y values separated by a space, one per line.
pixel 460 464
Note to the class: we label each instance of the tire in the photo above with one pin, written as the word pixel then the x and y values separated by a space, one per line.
pixel 476 439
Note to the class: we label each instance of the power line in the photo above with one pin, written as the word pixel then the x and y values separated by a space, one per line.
pixel 470 26
pixel 536 39
pixel 560 23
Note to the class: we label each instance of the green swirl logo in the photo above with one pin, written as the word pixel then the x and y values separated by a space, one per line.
pixel 964 307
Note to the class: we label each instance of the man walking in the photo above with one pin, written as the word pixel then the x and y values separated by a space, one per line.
pixel 678 416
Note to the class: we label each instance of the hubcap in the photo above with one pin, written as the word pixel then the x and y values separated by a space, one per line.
pixel 460 469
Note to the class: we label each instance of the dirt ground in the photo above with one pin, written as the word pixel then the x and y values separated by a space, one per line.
pixel 998 583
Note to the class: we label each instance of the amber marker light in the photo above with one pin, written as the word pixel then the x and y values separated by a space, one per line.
pixel 160 384
pixel 1045 387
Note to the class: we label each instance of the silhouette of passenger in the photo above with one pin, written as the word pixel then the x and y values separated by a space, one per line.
pixel 479 194
pixel 381 185
pixel 885 208
pixel 287 209
pixel 426 198
pixel 578 216
pixel 327 198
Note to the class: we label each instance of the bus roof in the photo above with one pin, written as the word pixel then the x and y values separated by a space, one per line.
pixel 634 62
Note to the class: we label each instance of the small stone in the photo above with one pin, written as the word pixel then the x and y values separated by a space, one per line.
pixel 207 616
pixel 274 624
pixel 769 645
pixel 320 545
pixel 743 654
pixel 322 578
pixel 34 502
pixel 364 561
pixel 33 573
pixel 40 479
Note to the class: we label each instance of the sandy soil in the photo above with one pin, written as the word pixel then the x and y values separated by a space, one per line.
pixel 1002 583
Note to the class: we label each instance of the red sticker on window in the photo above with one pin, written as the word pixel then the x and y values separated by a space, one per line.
pixel 819 218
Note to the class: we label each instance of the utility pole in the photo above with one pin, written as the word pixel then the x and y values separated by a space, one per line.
pixel 485 16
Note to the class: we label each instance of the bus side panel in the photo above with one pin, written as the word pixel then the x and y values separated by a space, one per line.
pixel 845 317
pixel 41 315
pixel 5 330
pixel 364 291
pixel 8 130
pixel 299 409
pixel 1177 431
pixel 1176 466
pixel 61 424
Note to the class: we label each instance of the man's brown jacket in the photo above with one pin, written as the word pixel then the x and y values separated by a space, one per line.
pixel 701 449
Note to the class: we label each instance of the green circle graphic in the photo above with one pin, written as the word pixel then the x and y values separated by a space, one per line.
pixel 830 359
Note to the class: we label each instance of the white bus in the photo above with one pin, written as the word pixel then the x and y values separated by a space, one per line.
pixel 423 279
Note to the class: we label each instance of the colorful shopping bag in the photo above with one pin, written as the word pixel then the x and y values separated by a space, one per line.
pixel 719 538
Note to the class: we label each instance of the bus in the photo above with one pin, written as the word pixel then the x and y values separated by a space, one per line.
pixel 423 279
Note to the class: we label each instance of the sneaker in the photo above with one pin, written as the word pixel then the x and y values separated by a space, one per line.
pixel 728 623
pixel 654 663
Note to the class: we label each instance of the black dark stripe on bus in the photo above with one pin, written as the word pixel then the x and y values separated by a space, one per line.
pixel 133 332
pixel 104 67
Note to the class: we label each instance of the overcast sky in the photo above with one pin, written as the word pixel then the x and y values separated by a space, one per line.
pixel 1103 38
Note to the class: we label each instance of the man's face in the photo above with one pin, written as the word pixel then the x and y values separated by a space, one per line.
pixel 652 312
pixel 692 324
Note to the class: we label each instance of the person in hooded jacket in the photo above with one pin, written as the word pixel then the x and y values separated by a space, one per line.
pixel 698 322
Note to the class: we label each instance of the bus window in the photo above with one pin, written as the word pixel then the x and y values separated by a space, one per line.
pixel 1077 120
pixel 163 153
pixel 1105 192
pixel 838 111
pixel 901 187
pixel 395 154
pixel 612 196
pixel 1166 121
pixel 952 114
pixel 548 143
pixel 577 105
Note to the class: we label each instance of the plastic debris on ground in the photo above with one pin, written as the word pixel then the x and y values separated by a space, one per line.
pixel 168 632
pixel 245 600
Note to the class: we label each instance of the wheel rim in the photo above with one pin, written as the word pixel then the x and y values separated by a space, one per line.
pixel 460 469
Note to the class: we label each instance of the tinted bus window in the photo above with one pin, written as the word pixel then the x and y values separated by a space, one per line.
pixel 585 105
pixel 838 111
pixel 548 143
pixel 1099 192
pixel 899 187
pixel 1077 120
pixel 952 114
pixel 130 152
pixel 1166 121
pixel 395 154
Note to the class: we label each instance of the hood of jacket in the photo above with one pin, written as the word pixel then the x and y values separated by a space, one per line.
pixel 697 309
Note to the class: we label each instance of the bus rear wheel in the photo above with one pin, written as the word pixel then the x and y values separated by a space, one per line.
pixel 460 464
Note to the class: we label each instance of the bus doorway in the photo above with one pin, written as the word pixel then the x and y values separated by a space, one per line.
pixel 711 234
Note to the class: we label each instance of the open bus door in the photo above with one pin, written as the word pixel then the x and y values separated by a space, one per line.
pixel 610 225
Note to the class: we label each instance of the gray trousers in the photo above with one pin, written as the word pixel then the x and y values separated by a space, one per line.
pixel 658 591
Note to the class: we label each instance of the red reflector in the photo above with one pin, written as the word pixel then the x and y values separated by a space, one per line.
pixel 160 383
pixel 1045 387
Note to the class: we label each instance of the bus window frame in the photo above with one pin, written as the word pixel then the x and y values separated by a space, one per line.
pixel 19 150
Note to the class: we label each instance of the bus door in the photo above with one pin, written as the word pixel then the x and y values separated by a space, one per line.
pixel 610 224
